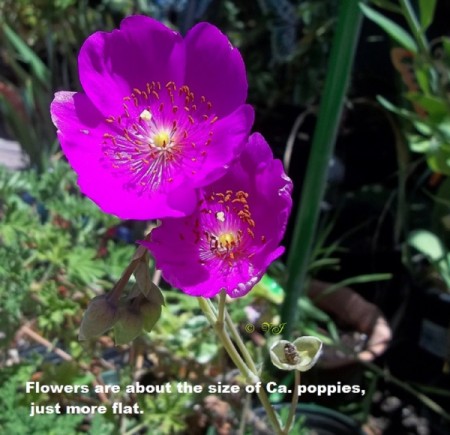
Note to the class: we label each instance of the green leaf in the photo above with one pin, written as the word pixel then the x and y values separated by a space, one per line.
pixel 388 5
pixel 444 130
pixel 329 117
pixel 423 79
pixel 427 9
pixel 435 106
pixel 411 116
pixel 268 289
pixel 392 29
pixel 431 246
pixel 311 312
pixel 439 161
pixel 206 352
pixel 358 279
pixel 422 127
pixel 40 71
pixel 427 243
pixel 82 266
pixel 419 145
pixel 446 45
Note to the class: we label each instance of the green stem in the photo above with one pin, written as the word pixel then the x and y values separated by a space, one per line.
pixel 249 375
pixel 265 402
pixel 240 344
pixel 226 341
pixel 294 403
pixel 221 315
pixel 342 51
pixel 208 311
pixel 116 292
pixel 212 307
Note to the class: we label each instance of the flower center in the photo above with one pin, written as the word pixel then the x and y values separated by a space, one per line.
pixel 225 230
pixel 161 137
pixel 225 245
pixel 227 241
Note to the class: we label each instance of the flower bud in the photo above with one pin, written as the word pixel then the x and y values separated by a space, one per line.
pixel 148 288
pixel 129 325
pixel 101 315
pixel 150 314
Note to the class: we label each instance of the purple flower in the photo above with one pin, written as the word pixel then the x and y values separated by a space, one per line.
pixel 234 234
pixel 160 116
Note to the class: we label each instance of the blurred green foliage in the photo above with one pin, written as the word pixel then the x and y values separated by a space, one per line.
pixel 424 111
pixel 54 249
pixel 14 415
pixel 58 250
pixel 55 245
pixel 426 74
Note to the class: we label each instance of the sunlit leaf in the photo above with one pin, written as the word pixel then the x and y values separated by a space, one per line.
pixel 427 243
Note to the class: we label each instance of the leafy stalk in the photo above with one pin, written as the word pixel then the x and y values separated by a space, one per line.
pixel 216 319
pixel 342 51
pixel 414 25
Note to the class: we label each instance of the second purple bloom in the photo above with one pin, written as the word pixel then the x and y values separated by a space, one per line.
pixel 235 232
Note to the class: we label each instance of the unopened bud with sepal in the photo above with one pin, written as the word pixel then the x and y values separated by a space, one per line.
pixel 101 315
pixel 129 324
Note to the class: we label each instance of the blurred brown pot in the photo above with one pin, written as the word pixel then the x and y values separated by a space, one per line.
pixel 351 310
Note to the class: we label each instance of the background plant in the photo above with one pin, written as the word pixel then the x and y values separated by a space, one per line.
pixel 58 251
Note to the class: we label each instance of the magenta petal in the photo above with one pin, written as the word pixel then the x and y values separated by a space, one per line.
pixel 80 130
pixel 215 68
pixel 230 136
pixel 234 233
pixel 172 245
pixel 277 189
pixel 257 153
pixel 68 107
pixel 112 64
pixel 160 117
